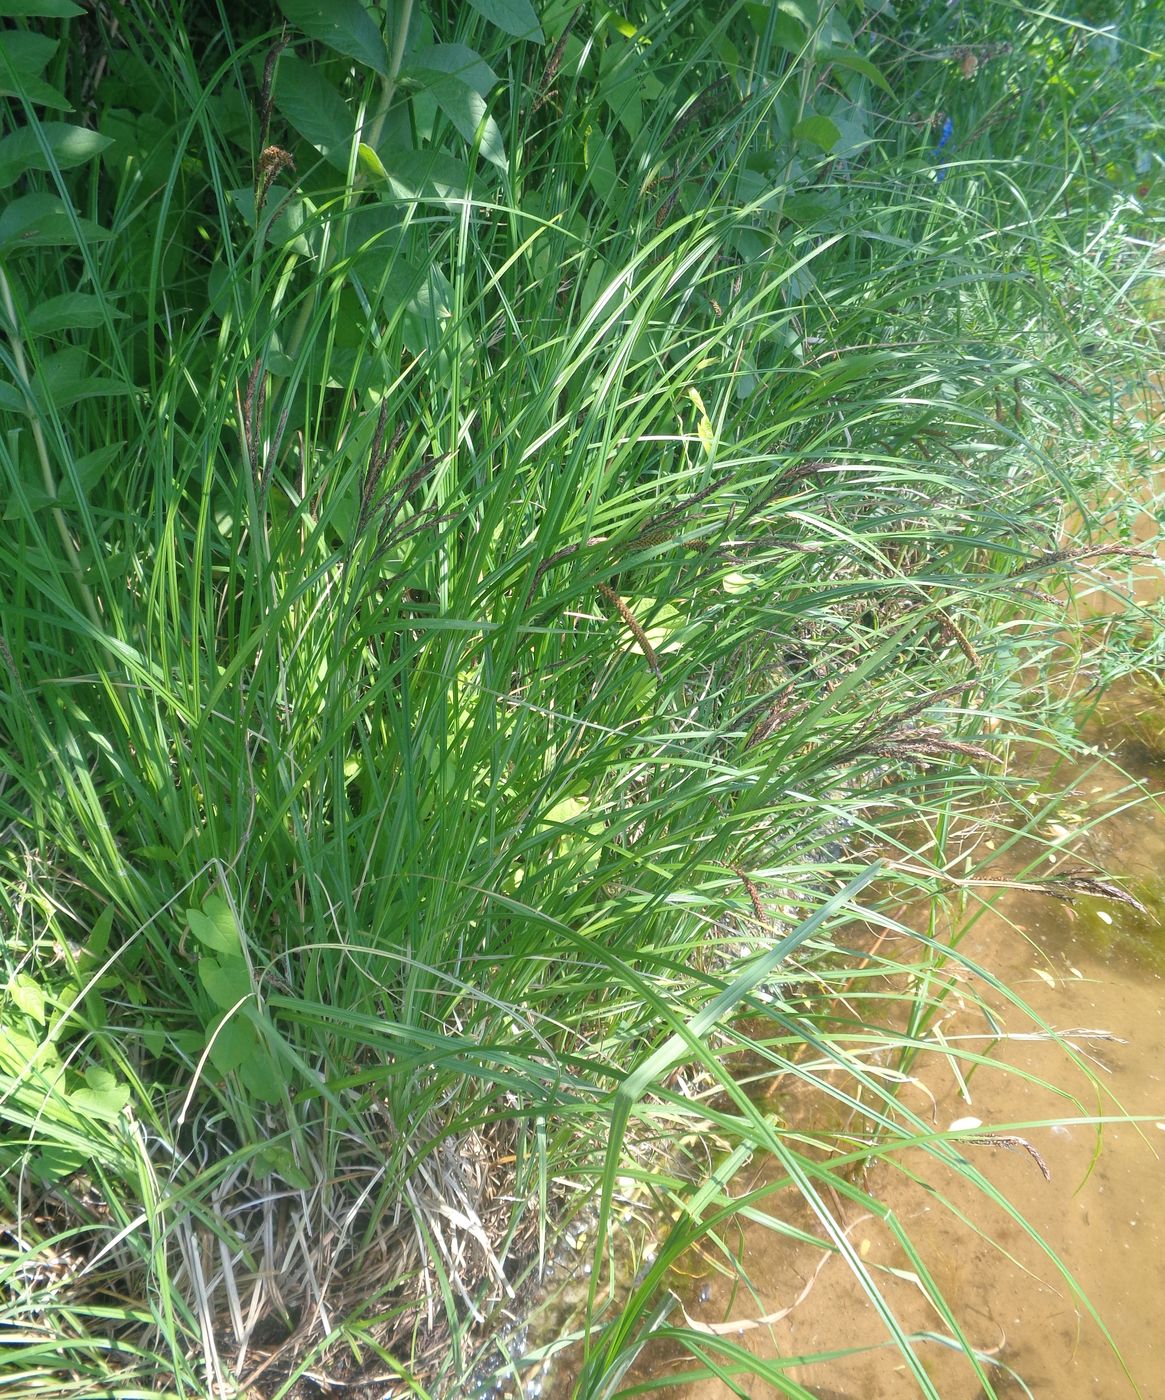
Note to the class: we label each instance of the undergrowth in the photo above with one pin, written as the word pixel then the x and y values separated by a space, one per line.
pixel 514 521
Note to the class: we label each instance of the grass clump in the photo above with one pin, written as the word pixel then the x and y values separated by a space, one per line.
pixel 513 519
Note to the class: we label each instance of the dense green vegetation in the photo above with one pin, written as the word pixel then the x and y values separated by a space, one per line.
pixel 516 519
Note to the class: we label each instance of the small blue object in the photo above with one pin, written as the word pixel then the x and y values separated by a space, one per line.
pixel 944 136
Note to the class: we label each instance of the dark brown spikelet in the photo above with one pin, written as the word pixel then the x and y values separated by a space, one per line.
pixel 272 160
pixel 1010 1141
pixel 783 709
pixel 633 626
pixel 1077 882
pixel 919 745
pixel 1076 556
pixel 697 107
pixel 545 87
pixel 567 552
pixel 254 402
pixel 753 893
pixel 952 632
pixel 377 458
pixel 672 518
pixel 265 98
pixel 664 211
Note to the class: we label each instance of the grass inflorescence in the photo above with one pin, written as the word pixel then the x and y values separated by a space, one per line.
pixel 512 530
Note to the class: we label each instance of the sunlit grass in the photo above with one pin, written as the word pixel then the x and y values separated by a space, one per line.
pixel 469 643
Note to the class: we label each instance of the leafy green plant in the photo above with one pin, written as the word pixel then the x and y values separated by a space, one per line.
pixel 512 513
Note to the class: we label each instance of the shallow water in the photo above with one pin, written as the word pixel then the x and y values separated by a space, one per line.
pixel 1096 965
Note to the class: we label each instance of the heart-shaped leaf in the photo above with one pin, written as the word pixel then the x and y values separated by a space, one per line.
pixel 103 1096
pixel 214 926
pixel 227 981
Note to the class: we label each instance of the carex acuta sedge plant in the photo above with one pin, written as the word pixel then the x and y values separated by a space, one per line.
pixel 515 519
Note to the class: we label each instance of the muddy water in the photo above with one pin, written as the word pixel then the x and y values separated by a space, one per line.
pixel 1101 1206
pixel 1089 967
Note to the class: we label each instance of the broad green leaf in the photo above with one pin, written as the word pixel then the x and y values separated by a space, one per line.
pixel 466 110
pixel 455 61
pixel 39 9
pixel 99 934
pixel 566 811
pixel 214 926
pixel 805 14
pixel 69 311
pixel 23 55
pixel 227 981
pixel 92 386
pixel 43 94
pixel 343 25
pixel 808 209
pixel 103 1096
pixel 417 174
pixel 20 1052
pixel 154 851
pixel 852 133
pixel 232 1043
pixel 370 162
pixel 857 64
pixel 28 995
pixel 316 110
pixel 279 1160
pixel 290 216
pixel 26 54
pixel 42 221
pixel 707 433
pixel 514 16
pixel 52 1164
pixel 68 145
pixel 819 130
pixel 601 169
pixel 624 86
pixel 834 32
pixel 789 35
pixel 93 953
pixel 260 1075
pixel 61 380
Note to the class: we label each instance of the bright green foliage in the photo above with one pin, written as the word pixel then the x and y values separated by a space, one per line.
pixel 512 513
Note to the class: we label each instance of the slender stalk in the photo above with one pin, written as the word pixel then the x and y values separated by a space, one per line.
pixel 388 87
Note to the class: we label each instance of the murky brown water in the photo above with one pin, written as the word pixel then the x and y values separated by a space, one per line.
pixel 1092 966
